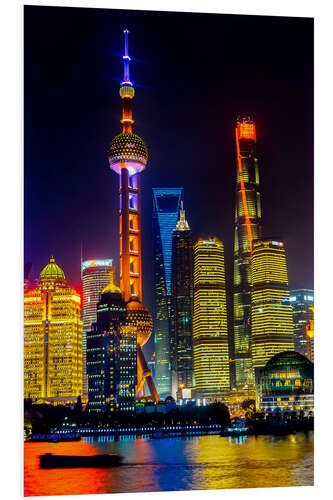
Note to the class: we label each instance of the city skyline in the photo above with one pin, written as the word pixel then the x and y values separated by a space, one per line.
pixel 203 296
pixel 82 152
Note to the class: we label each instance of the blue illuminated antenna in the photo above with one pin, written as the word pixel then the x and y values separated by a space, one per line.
pixel 127 59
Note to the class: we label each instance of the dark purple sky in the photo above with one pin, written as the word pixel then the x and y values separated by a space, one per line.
pixel 193 74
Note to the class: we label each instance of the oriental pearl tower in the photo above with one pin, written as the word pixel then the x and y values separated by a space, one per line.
pixel 128 156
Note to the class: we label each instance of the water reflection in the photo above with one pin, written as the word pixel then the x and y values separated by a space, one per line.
pixel 194 462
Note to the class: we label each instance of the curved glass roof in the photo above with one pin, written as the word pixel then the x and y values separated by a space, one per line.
pixel 52 272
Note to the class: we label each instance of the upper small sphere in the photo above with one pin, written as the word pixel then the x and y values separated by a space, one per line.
pixel 129 149
pixel 52 272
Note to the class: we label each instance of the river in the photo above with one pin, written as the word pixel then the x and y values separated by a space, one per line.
pixel 199 463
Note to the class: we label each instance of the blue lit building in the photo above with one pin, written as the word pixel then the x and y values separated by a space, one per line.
pixel 301 300
pixel 166 209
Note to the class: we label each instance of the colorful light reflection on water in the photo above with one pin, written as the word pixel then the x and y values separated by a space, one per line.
pixel 205 462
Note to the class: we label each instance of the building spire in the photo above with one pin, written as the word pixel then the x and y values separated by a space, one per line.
pixel 127 59
pixel 182 224
pixel 127 91
pixel 111 287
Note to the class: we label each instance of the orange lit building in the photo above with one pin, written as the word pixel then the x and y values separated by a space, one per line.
pixel 52 339
pixel 128 156
pixel 247 229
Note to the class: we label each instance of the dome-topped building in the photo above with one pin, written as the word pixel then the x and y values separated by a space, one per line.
pixel 52 272
pixel 286 382
pixel 53 370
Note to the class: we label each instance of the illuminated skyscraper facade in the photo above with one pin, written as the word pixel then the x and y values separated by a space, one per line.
pixel 182 303
pixel 128 156
pixel 301 301
pixel 247 229
pixel 95 275
pixel 310 337
pixel 210 330
pixel 166 207
pixel 271 312
pixel 52 339
pixel 111 355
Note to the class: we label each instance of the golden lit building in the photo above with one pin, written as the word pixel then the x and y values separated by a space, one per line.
pixel 210 331
pixel 310 337
pixel 52 339
pixel 271 311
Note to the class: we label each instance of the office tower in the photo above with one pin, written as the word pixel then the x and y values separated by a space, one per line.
pixel 128 156
pixel 247 229
pixel 111 355
pixel 271 312
pixel 95 275
pixel 210 330
pixel 166 207
pixel 182 303
pixel 301 301
pixel 310 337
pixel 52 339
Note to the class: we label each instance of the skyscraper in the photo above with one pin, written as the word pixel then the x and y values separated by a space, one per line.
pixel 247 229
pixel 166 207
pixel 301 301
pixel 182 303
pixel 310 337
pixel 95 275
pixel 210 329
pixel 52 339
pixel 111 355
pixel 271 312
pixel 128 156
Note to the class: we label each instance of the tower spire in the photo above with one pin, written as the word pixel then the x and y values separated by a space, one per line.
pixel 127 59
pixel 182 224
pixel 127 91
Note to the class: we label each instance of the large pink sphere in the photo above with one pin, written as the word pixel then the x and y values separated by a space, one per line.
pixel 139 315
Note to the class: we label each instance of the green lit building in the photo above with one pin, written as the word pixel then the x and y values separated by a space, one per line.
pixel 286 383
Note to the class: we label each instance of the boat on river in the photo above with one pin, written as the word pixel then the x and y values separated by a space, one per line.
pixel 50 461
pixel 237 428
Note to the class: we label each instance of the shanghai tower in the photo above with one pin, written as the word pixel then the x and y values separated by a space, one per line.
pixel 128 156
pixel 247 229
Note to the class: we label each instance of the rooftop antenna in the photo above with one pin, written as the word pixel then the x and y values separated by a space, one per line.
pixel 127 59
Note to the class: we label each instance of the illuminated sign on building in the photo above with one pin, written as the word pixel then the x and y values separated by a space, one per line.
pixel 246 131
pixel 95 263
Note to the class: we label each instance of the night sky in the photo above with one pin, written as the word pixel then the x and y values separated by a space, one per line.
pixel 193 75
